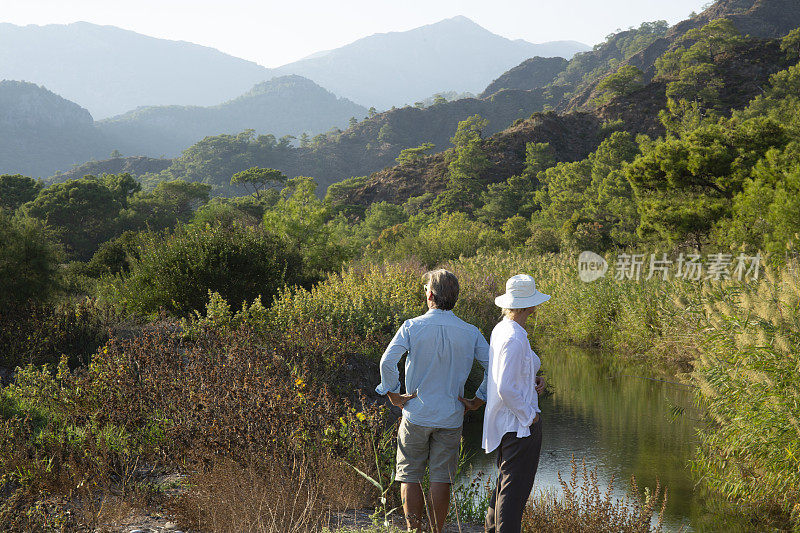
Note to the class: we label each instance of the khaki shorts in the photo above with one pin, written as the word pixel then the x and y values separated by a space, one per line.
pixel 417 445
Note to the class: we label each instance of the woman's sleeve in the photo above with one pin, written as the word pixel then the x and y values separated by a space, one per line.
pixel 511 381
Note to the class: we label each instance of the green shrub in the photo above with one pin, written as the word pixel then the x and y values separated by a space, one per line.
pixel 372 300
pixel 28 262
pixel 174 272
pixel 38 334
pixel 156 401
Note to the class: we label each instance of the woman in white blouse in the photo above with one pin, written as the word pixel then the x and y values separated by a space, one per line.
pixel 512 424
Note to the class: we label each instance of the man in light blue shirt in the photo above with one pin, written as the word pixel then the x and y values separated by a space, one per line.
pixel 441 350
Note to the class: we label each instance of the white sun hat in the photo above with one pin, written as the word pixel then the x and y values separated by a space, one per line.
pixel 520 293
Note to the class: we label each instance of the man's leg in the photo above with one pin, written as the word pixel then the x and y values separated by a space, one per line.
pixel 412 454
pixel 440 501
pixel 445 445
pixel 413 506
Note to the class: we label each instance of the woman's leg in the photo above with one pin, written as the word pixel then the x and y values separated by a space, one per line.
pixel 518 460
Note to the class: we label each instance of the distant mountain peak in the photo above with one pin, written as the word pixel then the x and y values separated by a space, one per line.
pixel 460 19
pixel 403 67
pixel 284 83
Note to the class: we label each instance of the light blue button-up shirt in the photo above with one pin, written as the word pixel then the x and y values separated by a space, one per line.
pixel 441 349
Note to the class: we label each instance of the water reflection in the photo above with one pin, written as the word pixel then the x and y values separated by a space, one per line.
pixel 618 421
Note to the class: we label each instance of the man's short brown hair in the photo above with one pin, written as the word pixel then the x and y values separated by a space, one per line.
pixel 444 286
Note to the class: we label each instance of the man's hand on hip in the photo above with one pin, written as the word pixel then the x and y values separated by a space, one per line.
pixel 471 405
pixel 398 399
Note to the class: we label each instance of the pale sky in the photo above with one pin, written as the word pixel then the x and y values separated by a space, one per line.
pixel 274 33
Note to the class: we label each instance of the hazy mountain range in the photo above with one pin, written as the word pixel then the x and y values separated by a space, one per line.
pixel 41 132
pixel 110 71
pixel 404 67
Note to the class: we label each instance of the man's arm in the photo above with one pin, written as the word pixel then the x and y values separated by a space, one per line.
pixel 390 375
pixel 482 355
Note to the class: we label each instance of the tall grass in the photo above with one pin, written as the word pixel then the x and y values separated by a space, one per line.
pixel 748 385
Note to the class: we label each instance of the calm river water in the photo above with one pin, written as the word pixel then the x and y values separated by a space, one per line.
pixel 618 421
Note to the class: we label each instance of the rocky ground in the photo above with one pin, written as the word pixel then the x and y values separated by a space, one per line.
pixel 359 520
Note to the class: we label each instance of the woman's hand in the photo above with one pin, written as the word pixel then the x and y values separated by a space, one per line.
pixel 541 384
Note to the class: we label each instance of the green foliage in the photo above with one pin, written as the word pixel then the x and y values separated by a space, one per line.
pixel 44 333
pixel 790 44
pixel 785 85
pixel 386 134
pixel 469 161
pixel 692 72
pixel 28 263
pixel 516 196
pixel 171 202
pixel 82 213
pixel 623 82
pixel 682 116
pixel 112 257
pixel 339 192
pixel 543 240
pixel 585 68
pixel 516 231
pixel 413 155
pixel 685 184
pixel 214 160
pixel 300 217
pixel 452 236
pixel 373 300
pixel 378 217
pixel 590 201
pixel 257 179
pixel 718 37
pixel 174 272
pixel 766 213
pixel 246 210
pixel 16 190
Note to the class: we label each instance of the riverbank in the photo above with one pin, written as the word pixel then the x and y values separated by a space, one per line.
pixel 182 396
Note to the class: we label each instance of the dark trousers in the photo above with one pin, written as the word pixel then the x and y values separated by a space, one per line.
pixel 517 461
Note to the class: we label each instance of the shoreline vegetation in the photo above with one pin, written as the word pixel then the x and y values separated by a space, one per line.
pixel 267 389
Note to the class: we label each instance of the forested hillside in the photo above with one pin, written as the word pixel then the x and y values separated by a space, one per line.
pixel 286 105
pixel 40 132
pixel 369 143
pixel 47 134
